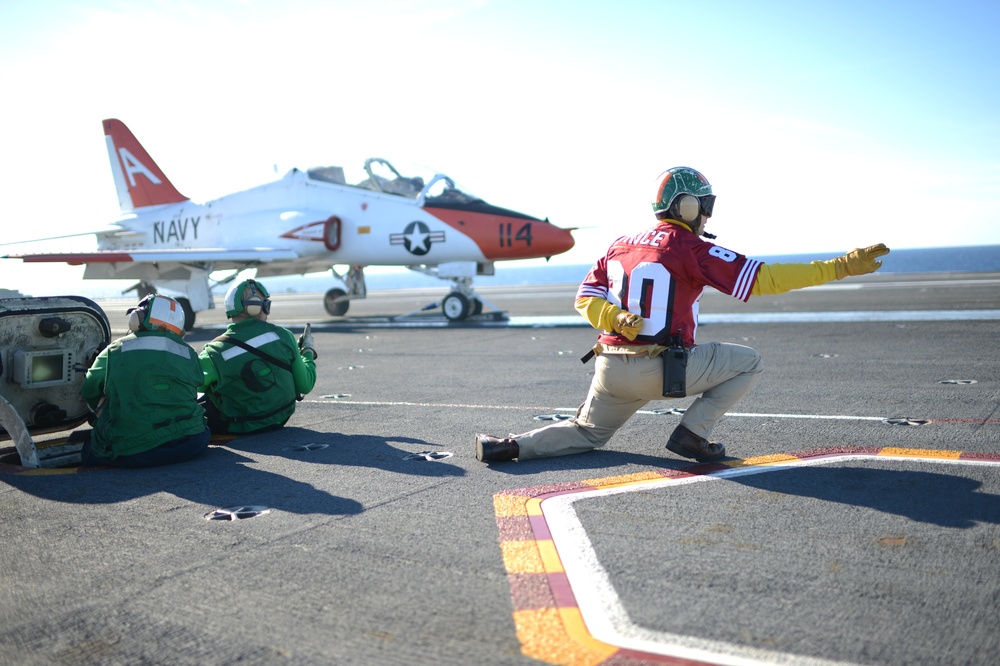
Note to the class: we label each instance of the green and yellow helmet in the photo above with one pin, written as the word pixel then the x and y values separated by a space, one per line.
pixel 677 182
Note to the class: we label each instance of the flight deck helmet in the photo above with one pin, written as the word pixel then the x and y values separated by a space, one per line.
pixel 248 296
pixel 157 313
pixel 682 194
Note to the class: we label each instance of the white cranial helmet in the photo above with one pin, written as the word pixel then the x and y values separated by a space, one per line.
pixel 157 313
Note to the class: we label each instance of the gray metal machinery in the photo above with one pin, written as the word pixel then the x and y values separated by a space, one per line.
pixel 46 346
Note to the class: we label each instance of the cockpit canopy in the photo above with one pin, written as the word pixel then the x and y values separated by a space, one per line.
pixel 379 175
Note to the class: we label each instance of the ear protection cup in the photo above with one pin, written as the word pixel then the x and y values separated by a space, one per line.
pixel 248 297
pixel 135 318
pixel 137 315
pixel 258 301
pixel 687 208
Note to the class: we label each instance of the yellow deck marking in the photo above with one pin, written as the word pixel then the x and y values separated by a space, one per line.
pixel 557 633
pixel 545 635
pixel 522 557
pixel 920 453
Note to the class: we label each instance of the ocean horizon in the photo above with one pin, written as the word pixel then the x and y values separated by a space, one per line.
pixel 964 259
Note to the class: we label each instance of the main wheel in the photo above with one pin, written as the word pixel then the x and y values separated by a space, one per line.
pixel 455 306
pixel 189 314
pixel 333 306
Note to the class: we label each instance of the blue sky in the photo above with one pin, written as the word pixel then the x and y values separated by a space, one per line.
pixel 822 126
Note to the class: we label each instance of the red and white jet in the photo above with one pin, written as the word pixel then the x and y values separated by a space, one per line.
pixel 308 221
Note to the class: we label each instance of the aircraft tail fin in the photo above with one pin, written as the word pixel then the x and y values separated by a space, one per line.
pixel 138 180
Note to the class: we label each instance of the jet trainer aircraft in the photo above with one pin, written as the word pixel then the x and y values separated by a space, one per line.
pixel 308 221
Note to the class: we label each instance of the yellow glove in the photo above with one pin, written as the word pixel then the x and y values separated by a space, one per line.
pixel 628 324
pixel 860 261
pixel 607 316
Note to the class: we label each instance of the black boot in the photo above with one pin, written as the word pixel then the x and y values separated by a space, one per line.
pixel 685 443
pixel 494 449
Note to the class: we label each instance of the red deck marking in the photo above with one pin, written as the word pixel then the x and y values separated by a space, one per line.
pixel 547 617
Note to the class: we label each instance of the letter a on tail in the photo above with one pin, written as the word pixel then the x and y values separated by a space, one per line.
pixel 139 181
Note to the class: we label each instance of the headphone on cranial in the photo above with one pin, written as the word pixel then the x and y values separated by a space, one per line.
pixel 258 300
pixel 686 208
pixel 138 315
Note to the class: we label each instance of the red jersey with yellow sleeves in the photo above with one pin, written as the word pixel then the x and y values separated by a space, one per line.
pixel 660 274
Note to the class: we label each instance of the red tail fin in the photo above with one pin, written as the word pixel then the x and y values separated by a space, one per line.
pixel 137 178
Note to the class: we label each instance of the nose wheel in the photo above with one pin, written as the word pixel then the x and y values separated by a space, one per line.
pixel 457 307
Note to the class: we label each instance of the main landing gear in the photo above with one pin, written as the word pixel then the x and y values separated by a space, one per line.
pixel 337 301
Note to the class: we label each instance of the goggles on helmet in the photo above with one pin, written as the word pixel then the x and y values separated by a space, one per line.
pixel 707 203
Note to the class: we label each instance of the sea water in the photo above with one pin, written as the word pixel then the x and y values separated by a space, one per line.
pixel 974 259
pixel 970 259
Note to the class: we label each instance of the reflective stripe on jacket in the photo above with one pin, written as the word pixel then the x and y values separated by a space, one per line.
pixel 145 389
pixel 249 391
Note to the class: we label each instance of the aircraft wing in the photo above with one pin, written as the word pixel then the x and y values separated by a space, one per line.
pixel 220 257
pixel 179 264
pixel 106 231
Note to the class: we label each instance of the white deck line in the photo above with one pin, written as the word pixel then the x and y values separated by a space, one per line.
pixel 603 612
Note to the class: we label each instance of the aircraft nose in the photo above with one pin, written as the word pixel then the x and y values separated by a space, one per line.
pixel 558 240
pixel 503 234
pixel 541 238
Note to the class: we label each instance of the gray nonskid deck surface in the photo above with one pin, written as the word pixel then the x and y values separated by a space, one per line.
pixel 369 558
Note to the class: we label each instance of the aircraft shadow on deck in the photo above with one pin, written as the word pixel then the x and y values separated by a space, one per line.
pixel 936 498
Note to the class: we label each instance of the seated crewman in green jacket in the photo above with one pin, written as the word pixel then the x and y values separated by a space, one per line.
pixel 255 372
pixel 144 390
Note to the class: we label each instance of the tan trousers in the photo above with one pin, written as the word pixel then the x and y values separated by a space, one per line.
pixel 719 373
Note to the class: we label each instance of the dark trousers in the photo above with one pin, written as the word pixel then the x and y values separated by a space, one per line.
pixel 216 422
pixel 219 425
pixel 175 451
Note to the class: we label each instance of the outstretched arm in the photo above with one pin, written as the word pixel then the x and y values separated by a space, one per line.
pixel 779 278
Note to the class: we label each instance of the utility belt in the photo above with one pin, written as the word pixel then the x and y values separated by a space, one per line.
pixel 674 356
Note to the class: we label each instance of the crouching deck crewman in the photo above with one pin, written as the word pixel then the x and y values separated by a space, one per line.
pixel 643 295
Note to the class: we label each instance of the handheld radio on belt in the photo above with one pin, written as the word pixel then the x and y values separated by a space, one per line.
pixel 675 358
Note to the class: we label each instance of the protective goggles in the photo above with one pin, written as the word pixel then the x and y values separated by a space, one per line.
pixel 706 204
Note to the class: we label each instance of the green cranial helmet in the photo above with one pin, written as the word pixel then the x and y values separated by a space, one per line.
pixel 675 182
pixel 250 297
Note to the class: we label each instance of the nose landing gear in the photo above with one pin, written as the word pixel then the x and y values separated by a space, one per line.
pixel 456 306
